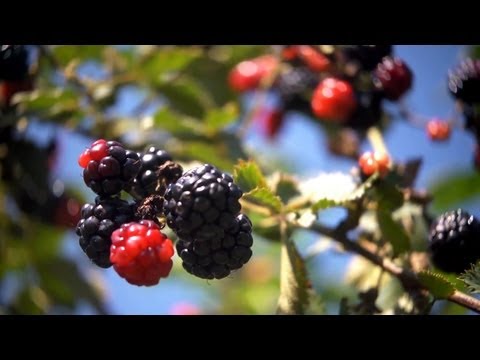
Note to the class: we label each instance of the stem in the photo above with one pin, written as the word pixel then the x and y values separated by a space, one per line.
pixel 408 279
pixel 376 140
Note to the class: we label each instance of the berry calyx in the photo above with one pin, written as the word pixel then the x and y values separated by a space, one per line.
pixel 333 100
pixel 248 74
pixel 438 130
pixel 393 77
pixel 454 241
pixel 141 253
pixel 372 162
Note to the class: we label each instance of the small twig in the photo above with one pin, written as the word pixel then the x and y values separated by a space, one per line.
pixel 376 140
pixel 408 279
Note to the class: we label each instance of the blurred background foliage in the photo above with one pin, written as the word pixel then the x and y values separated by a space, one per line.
pixel 176 97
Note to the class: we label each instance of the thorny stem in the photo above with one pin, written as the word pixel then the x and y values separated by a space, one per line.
pixel 408 279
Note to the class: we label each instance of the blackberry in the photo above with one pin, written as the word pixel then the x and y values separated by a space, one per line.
pixel 216 257
pixel 109 167
pixel 368 112
pixel 202 204
pixel 98 222
pixel 464 81
pixel 13 62
pixel 367 56
pixel 454 241
pixel 294 83
pixel 156 173
pixel 393 77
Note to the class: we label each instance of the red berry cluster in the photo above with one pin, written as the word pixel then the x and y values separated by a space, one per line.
pixel 374 162
pixel 344 85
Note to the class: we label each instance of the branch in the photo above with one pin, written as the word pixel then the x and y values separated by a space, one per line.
pixel 408 278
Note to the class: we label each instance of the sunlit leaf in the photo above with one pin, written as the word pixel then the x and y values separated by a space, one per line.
pixel 454 189
pixel 439 286
pixel 265 197
pixel 218 118
pixel 248 176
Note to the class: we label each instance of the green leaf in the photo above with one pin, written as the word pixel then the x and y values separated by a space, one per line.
pixel 265 197
pixel 388 195
pixel 440 287
pixel 248 176
pixel 168 61
pixel 174 123
pixel 393 232
pixel 66 53
pixel 218 118
pixel 285 186
pixel 471 278
pixel 454 189
pixel 186 97
pixel 325 204
pixel 204 152
pixel 293 299
pixel 56 104
pixel 62 281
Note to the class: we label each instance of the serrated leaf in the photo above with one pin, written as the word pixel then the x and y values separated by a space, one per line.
pixel 218 118
pixel 393 232
pixel 471 278
pixel 248 176
pixel 440 287
pixel 455 189
pixel 265 197
pixel 293 299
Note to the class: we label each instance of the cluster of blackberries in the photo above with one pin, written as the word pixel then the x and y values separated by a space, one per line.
pixel 201 206
pixel 345 86
pixel 455 241
pixel 464 86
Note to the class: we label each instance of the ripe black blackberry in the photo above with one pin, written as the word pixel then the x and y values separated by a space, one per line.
pixel 156 173
pixel 13 62
pixel 216 258
pixel 454 241
pixel 368 111
pixel 366 56
pixel 109 167
pixel 464 81
pixel 293 85
pixel 202 204
pixel 98 222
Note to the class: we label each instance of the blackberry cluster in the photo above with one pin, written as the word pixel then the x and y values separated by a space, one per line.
pixel 203 208
pixel 98 222
pixel 109 167
pixel 13 62
pixel 367 56
pixel 454 241
pixel 157 171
